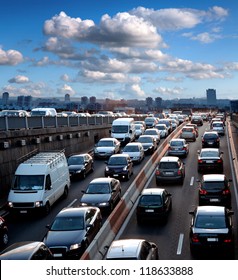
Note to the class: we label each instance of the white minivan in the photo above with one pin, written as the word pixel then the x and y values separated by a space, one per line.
pixel 39 182
pixel 123 129
pixel 44 112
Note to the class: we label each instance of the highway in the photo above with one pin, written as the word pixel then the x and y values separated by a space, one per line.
pixel 171 238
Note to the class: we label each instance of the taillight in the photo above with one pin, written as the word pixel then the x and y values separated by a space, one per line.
pixel 226 191
pixel 200 161
pixel 195 238
pixel 184 148
pixel 219 161
pixel 157 172
pixel 227 240
pixel 179 172
pixel 202 191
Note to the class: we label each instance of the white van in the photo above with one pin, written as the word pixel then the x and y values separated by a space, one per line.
pixel 39 182
pixel 44 112
pixel 123 129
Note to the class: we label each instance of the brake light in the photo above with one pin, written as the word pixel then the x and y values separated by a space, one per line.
pixel 202 191
pixel 184 148
pixel 226 191
pixel 219 161
pixel 157 172
pixel 227 240
pixel 179 172
pixel 195 238
pixel 200 161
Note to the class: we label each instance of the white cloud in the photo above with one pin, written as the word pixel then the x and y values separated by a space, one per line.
pixel 65 89
pixel 10 57
pixel 19 79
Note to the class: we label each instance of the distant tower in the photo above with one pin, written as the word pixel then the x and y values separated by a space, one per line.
pixel 211 97
pixel 92 100
pixel 67 97
pixel 84 100
pixel 158 103
pixel 5 98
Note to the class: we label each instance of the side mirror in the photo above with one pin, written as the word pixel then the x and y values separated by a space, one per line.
pixel 82 191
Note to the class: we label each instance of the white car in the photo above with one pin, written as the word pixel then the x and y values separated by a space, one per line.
pixel 139 130
pixel 135 151
pixel 163 130
pixel 107 147
pixel 153 132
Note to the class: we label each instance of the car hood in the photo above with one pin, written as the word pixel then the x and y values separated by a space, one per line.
pixel 64 238
pixel 147 145
pixel 76 167
pixel 133 154
pixel 105 149
pixel 95 198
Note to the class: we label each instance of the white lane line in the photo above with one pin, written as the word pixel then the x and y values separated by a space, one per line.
pixel 180 244
pixel 72 203
pixel 192 181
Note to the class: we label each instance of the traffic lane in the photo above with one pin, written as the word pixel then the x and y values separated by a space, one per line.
pixel 173 237
pixel 25 228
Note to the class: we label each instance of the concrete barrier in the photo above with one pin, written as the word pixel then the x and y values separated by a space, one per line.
pixel 98 247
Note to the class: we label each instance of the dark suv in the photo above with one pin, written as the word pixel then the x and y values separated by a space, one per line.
pixel 214 189
pixel 170 169
pixel 210 139
pixel 119 166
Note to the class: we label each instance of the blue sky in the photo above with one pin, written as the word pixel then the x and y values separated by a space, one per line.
pixel 119 49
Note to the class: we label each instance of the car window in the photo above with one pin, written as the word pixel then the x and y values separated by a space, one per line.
pixel 75 160
pixel 67 223
pixel 105 143
pixel 176 143
pixel 150 200
pixel 42 253
pixel 213 185
pixel 209 154
pixel 98 188
pixel 210 136
pixel 210 221
pixel 131 149
pixel 89 216
pixel 145 250
pixel 168 165
pixel 117 160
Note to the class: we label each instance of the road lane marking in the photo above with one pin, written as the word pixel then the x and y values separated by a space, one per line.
pixel 72 203
pixel 180 244
pixel 192 181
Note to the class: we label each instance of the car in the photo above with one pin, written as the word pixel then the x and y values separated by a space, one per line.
pixel 197 119
pixel 211 228
pixel 188 133
pixel 119 166
pixel 27 250
pixel 167 122
pixel 103 193
pixel 14 113
pixel 139 129
pixel 149 143
pixel 178 147
pixel 174 123
pixel 140 122
pixel 80 165
pixel 170 169
pixel 107 147
pixel 154 132
pixel 4 238
pixel 210 159
pixel 210 139
pixel 132 249
pixel 72 230
pixel 195 127
pixel 150 122
pixel 218 126
pixel 214 189
pixel 163 130
pixel 135 151
pixel 154 204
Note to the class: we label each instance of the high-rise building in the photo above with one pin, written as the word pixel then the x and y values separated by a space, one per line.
pixel 67 97
pixel 5 98
pixel 211 97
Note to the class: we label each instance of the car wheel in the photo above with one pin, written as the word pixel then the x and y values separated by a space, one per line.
pixel 47 208
pixel 4 239
pixel 83 174
pixel 66 192
pixel 92 168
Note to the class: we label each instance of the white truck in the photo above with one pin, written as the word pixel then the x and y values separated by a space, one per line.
pixel 123 129
pixel 39 182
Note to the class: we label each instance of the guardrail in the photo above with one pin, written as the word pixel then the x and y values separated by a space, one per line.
pixel 110 228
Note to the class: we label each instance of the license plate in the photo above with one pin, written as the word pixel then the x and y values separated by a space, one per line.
pixel 209 161
pixel 58 255
pixel 210 143
pixel 169 173
pixel 214 200
pixel 149 210
pixel 212 239
pixel 23 211
pixel 115 175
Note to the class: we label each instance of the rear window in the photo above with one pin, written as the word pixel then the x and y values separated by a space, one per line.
pixel 213 185
pixel 154 200
pixel 210 136
pixel 187 129
pixel 176 143
pixel 210 221
pixel 168 165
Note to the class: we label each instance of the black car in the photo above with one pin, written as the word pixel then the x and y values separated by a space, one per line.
pixel 27 250
pixel 149 143
pixel 72 231
pixel 119 166
pixel 154 204
pixel 170 169
pixel 211 228
pixel 103 193
pixel 3 233
pixel 214 189
pixel 210 139
pixel 80 165
pixel 210 159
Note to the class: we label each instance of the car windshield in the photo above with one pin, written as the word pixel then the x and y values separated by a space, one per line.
pixel 152 200
pixel 217 125
pixel 176 143
pixel 209 154
pixel 131 149
pixel 145 140
pixel 210 136
pixel 67 223
pixel 168 165
pixel 98 188
pixel 213 185
pixel 28 182
pixel 120 128
pixel 161 127
pixel 150 132
pixel 187 129
pixel 105 143
pixel 117 161
pixel 75 160
pixel 138 126
pixel 210 221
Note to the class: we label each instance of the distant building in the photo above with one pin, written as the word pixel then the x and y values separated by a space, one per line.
pixel 67 97
pixel 5 98
pixel 158 103
pixel 211 97
pixel 84 101
pixel 92 99
pixel 234 106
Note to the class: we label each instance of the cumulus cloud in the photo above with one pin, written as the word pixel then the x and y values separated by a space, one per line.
pixel 168 91
pixel 10 57
pixel 19 79
pixel 204 37
pixel 65 89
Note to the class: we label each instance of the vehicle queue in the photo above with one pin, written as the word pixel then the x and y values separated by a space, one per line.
pixel 210 241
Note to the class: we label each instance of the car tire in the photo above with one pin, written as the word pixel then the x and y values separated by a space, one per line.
pixel 47 209
pixel 4 239
pixel 66 192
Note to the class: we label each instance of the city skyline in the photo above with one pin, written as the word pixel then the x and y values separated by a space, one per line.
pixel 166 49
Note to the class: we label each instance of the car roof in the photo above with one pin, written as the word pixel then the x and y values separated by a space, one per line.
pixel 73 211
pixel 210 149
pixel 134 144
pixel 210 132
pixel 102 180
pixel 80 155
pixel 210 209
pixel 152 191
pixel 146 136
pixel 124 248
pixel 177 139
pixel 214 177
pixel 107 138
pixel 169 158
pixel 125 155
